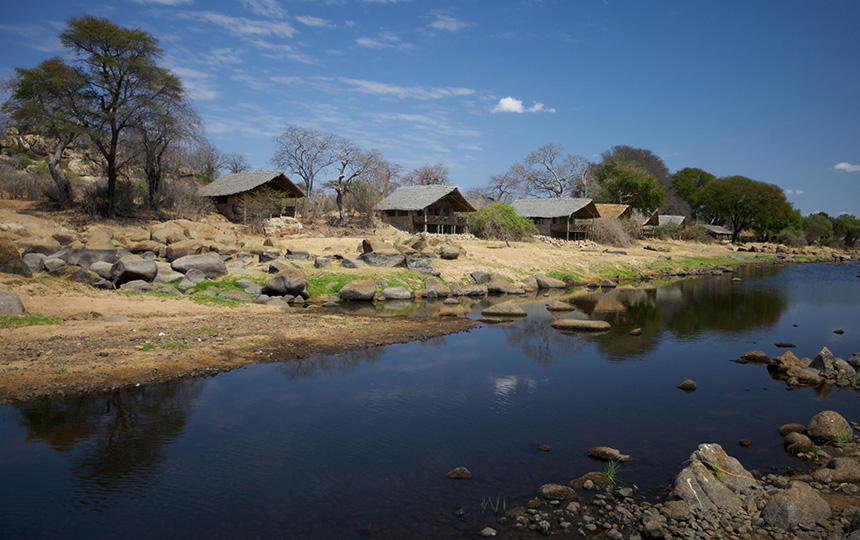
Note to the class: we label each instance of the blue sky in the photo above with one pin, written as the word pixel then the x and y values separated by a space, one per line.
pixel 768 90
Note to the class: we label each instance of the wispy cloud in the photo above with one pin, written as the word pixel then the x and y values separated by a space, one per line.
pixel 283 51
pixel 445 22
pixel 793 191
pixel 385 40
pixel 385 1
pixel 847 167
pixel 402 92
pixel 247 27
pixel 307 20
pixel 512 105
pixel 35 36
pixel 265 8
pixel 197 83
pixel 223 57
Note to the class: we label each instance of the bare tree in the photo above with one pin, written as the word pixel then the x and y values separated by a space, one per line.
pixel 546 172
pixel 305 152
pixel 502 187
pixel 204 159
pixel 427 175
pixel 354 165
pixel 236 163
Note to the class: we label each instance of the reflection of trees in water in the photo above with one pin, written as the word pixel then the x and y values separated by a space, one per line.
pixel 121 434
pixel 314 366
pixel 539 341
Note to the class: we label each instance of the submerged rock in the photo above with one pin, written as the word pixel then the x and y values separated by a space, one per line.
pixel 505 309
pixel 688 386
pixel 459 473
pixel 606 453
pixel 581 325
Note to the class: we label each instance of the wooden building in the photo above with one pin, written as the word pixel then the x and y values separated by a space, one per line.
pixel 568 218
pixel 232 193
pixel 721 234
pixel 431 209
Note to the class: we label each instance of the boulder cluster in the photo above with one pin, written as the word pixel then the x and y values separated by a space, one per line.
pixel 822 370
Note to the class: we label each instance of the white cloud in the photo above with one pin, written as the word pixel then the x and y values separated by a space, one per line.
pixel 307 20
pixel 447 22
pixel 197 83
pixel 793 191
pixel 283 51
pixel 222 57
pixel 513 105
pixel 385 40
pixel 35 36
pixel 402 92
pixel 247 27
pixel 847 167
pixel 265 8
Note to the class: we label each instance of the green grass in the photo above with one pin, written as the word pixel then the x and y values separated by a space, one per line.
pixel 318 283
pixel 33 319
pixel 498 506
pixel 147 347
pixel 226 284
pixel 842 438
pixel 61 369
pixel 612 471
pixel 563 273
pixel 175 345
pixel 208 329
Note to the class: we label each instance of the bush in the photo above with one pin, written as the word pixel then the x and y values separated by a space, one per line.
pixel 18 184
pixel 499 222
pixel 179 197
pixel 613 232
pixel 128 196
pixel 791 237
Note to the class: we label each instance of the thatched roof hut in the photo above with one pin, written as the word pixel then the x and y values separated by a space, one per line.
pixel 232 192
pixel 679 221
pixel 425 209
pixel 617 211
pixel 563 217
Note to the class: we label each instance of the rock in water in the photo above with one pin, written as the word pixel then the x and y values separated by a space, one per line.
pixel 798 505
pixel 827 426
pixel 459 473
pixel 606 453
pixel 505 309
pixel 581 325
pixel 688 385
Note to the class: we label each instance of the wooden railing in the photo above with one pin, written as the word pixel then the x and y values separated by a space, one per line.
pixel 574 228
pixel 459 221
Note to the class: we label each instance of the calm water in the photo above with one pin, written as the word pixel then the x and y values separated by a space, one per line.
pixel 357 445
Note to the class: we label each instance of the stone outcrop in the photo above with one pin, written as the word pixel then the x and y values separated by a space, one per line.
pixel 11 261
pixel 362 290
pixel 581 325
pixel 10 304
pixel 209 263
pixel 290 281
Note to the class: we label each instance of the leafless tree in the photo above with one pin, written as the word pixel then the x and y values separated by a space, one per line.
pixel 549 173
pixel 427 175
pixel 204 159
pixel 354 165
pixel 236 163
pixel 305 152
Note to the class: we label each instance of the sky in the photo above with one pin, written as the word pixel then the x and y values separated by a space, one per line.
pixel 765 89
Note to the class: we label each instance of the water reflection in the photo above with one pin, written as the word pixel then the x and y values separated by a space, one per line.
pixel 117 440
pixel 315 366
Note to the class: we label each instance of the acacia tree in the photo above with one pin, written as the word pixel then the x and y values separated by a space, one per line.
pixel 626 182
pixel 546 172
pixel 236 163
pixel 354 166
pixel 40 102
pixel 687 182
pixel 742 202
pixel 673 203
pixel 427 175
pixel 305 152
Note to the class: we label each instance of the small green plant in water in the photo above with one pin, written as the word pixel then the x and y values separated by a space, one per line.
pixel 843 438
pixel 814 452
pixel 612 471
pixel 498 506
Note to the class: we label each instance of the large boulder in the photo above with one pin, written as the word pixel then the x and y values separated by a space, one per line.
pixel 363 290
pixel 581 325
pixel 425 266
pixel 183 248
pixel 797 505
pixel 396 293
pixel 498 284
pixel 434 287
pixel 546 282
pixel 715 481
pixel 45 246
pixel 556 492
pixel 209 263
pixel 823 361
pixel 839 470
pixel 377 245
pixel 504 309
pixel 131 268
pixel 389 260
pixel 828 426
pixel 10 304
pixel 290 281
pixel 11 261
pixel 167 233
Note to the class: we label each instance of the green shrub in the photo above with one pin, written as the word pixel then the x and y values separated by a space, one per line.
pixel 791 237
pixel 499 222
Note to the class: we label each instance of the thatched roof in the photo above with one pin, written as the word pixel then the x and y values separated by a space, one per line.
pixel 231 184
pixel 645 219
pixel 556 207
pixel 717 229
pixel 613 210
pixel 413 198
pixel 673 220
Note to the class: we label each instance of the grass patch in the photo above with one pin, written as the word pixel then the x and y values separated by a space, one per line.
pixel 318 283
pixel 565 274
pixel 33 319
pixel 147 347
pixel 175 345
pixel 208 329
pixel 226 284
pixel 612 471
pixel 498 506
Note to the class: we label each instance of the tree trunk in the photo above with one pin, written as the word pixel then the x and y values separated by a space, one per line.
pixel 339 193
pixel 64 189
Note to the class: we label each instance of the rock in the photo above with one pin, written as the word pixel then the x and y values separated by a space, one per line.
pixel 147 245
pixel 796 443
pixel 839 331
pixel 823 361
pixel 804 376
pixel 396 293
pixel 52 264
pixel 785 361
pixel 351 263
pixel 166 275
pixel 10 304
pixel 714 481
pixel 238 296
pixel 596 480
pixel 544 447
pixel 102 269
pixel 459 473
pixel 11 261
pixel 479 277
pixel 605 453
pixel 209 263
pixel 435 288
pixel 839 470
pixel 425 266
pixel 322 262
pixel 167 233
pixel 546 282
pixel 558 305
pixel 34 262
pixel 828 426
pixel 449 253
pixel 363 290
pixel 497 284
pixel 608 284
pixel 799 505
pixel 504 309
pixel 581 325
pixel 635 332
pixel 785 429
pixel 291 255
pixel 277 266
pixel 45 246
pixel 183 248
pixel 784 344
pixel 677 510
pixel 132 268
pixel 756 357
pixel 268 256
pixel 488 532
pixel 290 281
pixel 688 385
pixel 392 260
pixel 556 492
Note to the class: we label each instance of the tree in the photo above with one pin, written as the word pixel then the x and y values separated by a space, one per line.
pixel 817 227
pixel 741 202
pixel 847 228
pixel 121 79
pixel 687 182
pixel 500 188
pixel 204 159
pixel 305 152
pixel 355 165
pixel 41 101
pixel 626 182
pixel 427 175
pixel 236 163
pixel 545 172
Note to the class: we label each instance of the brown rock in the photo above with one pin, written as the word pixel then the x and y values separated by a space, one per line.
pixel 688 385
pixel 605 453
pixel 556 492
pixel 459 473
pixel 581 325
pixel 11 261
pixel 785 429
pixel 827 426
